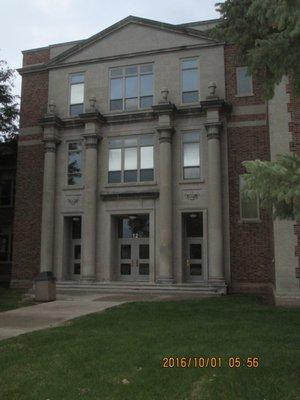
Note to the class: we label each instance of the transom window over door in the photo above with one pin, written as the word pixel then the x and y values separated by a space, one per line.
pixel 131 159
pixel 191 155
pixel 131 87
pixel 190 80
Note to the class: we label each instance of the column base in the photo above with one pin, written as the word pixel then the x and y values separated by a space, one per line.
pixel 45 287
pixel 165 280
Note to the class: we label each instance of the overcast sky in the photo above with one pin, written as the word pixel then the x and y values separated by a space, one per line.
pixel 27 24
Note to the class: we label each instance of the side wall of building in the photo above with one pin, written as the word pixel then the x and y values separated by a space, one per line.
pixel 29 179
pixel 251 243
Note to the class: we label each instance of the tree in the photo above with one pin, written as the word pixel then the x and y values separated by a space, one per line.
pixel 8 104
pixel 277 183
pixel 267 36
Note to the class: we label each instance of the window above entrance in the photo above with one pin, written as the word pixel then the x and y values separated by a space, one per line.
pixel 131 159
pixel 133 226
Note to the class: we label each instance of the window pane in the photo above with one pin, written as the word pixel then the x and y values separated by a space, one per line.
pixel 77 93
pixel 130 158
pixel 249 209
pixel 116 105
pixel 125 269
pixel 190 97
pixel 147 157
pixel 116 91
pixel 146 102
pixel 194 225
pixel 191 154
pixel 190 80
pixel 130 176
pixel 146 68
pixel 74 165
pixel 244 81
pixel 115 143
pixel 131 70
pixel 191 172
pixel 76 228
pixel 131 87
pixel 77 252
pixel 146 175
pixel 76 109
pixel 114 177
pixel 75 179
pixel 146 86
pixel 4 244
pixel 125 251
pixel 78 78
pixel 195 251
pixel 191 137
pixel 130 142
pixel 144 251
pixel 143 269
pixel 189 64
pixel 76 269
pixel 6 193
pixel 116 72
pixel 196 269
pixel 114 163
pixel 131 104
pixel 146 139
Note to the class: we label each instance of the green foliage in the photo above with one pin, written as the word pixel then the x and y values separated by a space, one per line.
pixel 277 183
pixel 8 104
pixel 267 35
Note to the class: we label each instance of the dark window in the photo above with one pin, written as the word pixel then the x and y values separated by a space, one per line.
pixel 6 192
pixel 76 228
pixel 194 224
pixel 144 251
pixel 133 226
pixel 4 247
pixel 143 269
pixel 125 269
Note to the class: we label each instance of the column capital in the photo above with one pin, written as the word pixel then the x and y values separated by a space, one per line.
pixel 213 130
pixel 50 145
pixel 90 140
pixel 165 134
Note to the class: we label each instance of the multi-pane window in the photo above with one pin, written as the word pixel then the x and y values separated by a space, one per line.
pixel 131 159
pixel 243 82
pixel 191 155
pixel 74 164
pixel 76 94
pixel 5 244
pixel 190 80
pixel 6 189
pixel 249 208
pixel 131 87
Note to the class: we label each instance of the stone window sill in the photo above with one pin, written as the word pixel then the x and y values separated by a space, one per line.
pixel 244 95
pixel 81 187
pixel 249 221
pixel 130 184
pixel 189 181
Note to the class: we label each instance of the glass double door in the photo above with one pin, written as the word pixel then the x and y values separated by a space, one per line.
pixel 134 262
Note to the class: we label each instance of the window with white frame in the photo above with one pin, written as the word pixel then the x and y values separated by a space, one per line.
pixel 74 163
pixel 244 86
pixel 249 208
pixel 6 189
pixel 190 80
pixel 131 159
pixel 5 244
pixel 76 94
pixel 191 155
pixel 131 87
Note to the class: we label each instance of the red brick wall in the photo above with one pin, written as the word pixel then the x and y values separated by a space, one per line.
pixel 36 56
pixel 29 180
pixel 251 244
pixel 294 128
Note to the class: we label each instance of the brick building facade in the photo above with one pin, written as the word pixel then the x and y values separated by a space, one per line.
pixel 175 109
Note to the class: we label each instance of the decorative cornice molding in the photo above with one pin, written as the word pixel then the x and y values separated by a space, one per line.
pixel 153 194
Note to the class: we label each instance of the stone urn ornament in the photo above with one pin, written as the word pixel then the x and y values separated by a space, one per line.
pixel 92 102
pixel 52 107
pixel 164 95
pixel 212 89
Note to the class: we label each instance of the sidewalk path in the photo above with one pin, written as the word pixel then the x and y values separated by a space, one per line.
pixel 46 315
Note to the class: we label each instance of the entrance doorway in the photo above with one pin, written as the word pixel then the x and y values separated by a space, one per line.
pixel 193 246
pixel 133 248
pixel 75 245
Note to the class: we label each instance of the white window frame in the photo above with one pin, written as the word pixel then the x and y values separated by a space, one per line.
pixel 200 178
pixel 181 80
pixel 123 77
pixel 243 219
pixel 237 83
pixel 69 91
pixel 123 147
pixel 67 163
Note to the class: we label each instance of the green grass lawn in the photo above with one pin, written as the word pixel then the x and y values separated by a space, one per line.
pixel 13 298
pixel 90 358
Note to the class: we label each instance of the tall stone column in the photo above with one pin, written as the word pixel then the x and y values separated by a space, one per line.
pixel 215 225
pixel 165 130
pixel 90 136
